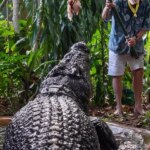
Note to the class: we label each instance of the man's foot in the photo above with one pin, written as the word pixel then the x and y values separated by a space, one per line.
pixel 138 112
pixel 118 113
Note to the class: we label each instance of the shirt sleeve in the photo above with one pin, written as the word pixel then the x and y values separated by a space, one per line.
pixel 118 5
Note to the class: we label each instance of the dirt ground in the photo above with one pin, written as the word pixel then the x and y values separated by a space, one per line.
pixel 107 114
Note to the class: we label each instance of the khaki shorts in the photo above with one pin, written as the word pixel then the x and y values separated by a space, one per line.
pixel 117 63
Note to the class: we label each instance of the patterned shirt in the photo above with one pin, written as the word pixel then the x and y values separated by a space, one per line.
pixel 132 24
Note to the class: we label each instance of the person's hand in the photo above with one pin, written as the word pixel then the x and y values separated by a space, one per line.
pixel 73 8
pixel 109 4
pixel 131 41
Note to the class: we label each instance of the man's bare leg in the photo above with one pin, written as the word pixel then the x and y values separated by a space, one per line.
pixel 137 87
pixel 117 86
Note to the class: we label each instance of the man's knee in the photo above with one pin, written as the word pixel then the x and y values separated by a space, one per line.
pixel 138 71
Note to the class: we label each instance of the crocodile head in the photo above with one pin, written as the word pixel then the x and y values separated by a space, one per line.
pixel 73 72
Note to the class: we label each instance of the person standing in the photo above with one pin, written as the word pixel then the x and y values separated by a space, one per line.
pixel 135 15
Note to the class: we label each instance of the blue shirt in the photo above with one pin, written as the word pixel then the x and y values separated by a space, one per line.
pixel 132 24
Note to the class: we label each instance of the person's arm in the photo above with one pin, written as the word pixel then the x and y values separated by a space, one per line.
pixel 105 13
pixel 133 40
pixel 140 34
pixel 106 10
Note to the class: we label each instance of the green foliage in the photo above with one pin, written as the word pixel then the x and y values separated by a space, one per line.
pixel 19 72
pixel 5 31
pixel 147 64
pixel 146 120
pixel 99 58
pixel 10 76
pixel 20 78
pixel 22 69
pixel 128 97
pixel 58 33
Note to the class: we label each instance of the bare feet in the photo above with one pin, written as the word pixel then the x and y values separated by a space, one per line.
pixel 118 113
pixel 138 111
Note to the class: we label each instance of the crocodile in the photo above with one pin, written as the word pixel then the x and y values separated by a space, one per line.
pixel 56 119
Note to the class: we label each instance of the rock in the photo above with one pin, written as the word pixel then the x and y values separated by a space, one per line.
pixel 130 138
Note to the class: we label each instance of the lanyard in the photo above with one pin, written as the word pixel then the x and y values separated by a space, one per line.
pixel 134 10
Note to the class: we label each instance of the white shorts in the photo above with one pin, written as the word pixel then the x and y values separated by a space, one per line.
pixel 117 63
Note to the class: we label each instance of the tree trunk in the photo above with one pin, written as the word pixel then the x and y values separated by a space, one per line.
pixel 15 15
pixel 39 24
